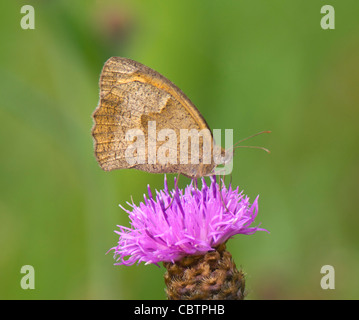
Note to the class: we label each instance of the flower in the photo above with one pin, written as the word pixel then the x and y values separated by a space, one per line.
pixel 196 222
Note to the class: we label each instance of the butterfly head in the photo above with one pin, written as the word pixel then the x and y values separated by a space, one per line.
pixel 227 155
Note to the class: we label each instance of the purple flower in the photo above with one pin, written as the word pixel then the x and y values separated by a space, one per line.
pixel 195 223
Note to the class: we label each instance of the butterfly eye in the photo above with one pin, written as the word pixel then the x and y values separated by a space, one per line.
pixel 228 156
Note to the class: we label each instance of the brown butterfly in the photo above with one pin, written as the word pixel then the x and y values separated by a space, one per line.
pixel 135 99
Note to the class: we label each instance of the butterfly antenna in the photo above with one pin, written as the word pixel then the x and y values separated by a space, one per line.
pixel 253 147
pixel 252 136
pixel 235 146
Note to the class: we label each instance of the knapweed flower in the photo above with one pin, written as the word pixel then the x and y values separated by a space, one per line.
pixel 197 221
pixel 188 229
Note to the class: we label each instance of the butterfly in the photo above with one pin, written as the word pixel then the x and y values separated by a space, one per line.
pixel 140 122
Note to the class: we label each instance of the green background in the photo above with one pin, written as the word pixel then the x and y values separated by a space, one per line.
pixel 248 65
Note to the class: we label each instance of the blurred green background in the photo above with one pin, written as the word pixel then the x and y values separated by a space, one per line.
pixel 248 65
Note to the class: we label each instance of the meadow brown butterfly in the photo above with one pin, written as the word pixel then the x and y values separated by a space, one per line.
pixel 141 120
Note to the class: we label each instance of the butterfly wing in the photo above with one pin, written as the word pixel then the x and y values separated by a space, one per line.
pixel 135 97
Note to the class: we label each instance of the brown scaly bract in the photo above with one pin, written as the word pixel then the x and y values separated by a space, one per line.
pixel 212 276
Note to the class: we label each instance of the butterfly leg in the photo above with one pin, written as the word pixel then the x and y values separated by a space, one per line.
pixel 176 187
pixel 220 186
pixel 220 192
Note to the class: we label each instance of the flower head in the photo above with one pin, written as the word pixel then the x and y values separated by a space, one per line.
pixel 197 221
